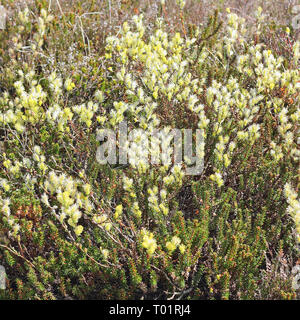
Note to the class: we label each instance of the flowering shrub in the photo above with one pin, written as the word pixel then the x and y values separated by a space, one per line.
pixel 71 227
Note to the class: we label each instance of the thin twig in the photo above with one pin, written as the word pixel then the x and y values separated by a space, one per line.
pixel 17 254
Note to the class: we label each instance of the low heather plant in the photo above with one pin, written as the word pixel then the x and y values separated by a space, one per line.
pixel 74 228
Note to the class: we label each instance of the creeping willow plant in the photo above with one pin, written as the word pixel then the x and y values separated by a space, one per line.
pixel 75 227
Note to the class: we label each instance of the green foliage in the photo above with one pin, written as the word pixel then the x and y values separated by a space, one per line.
pixel 72 228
